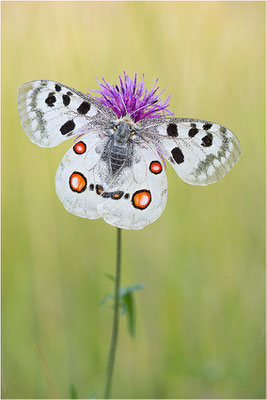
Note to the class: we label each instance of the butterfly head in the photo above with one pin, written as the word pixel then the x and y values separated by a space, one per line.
pixel 123 130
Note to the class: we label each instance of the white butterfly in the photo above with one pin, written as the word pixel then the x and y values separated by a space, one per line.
pixel 115 170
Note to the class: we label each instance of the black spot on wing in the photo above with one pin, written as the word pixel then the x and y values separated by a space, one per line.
pixel 69 93
pixel 67 127
pixel 66 99
pixel 57 88
pixel 106 195
pixel 91 187
pixel 117 195
pixel 207 140
pixel 99 189
pixel 113 195
pixel 172 130
pixel 50 100
pixel 206 127
pixel 177 155
pixel 84 107
pixel 192 132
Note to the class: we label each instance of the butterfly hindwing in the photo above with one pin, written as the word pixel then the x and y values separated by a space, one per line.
pixel 201 152
pixel 143 188
pixel 131 199
pixel 75 178
pixel 51 112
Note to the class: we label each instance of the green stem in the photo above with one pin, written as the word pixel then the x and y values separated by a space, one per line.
pixel 115 327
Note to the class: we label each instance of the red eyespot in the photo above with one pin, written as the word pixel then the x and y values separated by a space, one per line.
pixel 141 199
pixel 155 167
pixel 77 182
pixel 79 148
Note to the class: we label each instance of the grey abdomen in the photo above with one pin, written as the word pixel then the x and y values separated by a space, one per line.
pixel 118 156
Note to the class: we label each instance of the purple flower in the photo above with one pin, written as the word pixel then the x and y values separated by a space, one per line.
pixel 132 98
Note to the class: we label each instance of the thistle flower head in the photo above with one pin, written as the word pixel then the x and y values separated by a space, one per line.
pixel 132 98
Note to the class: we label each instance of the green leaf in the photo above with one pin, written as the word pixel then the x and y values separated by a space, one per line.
pixel 109 276
pixel 123 292
pixel 106 298
pixel 129 301
pixel 126 303
pixel 73 392
pixel 130 289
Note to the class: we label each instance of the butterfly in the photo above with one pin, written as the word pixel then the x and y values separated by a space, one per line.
pixel 116 167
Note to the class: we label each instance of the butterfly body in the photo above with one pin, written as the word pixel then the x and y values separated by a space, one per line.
pixel 120 144
pixel 115 169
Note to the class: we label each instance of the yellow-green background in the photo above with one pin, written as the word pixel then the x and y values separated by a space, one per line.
pixel 200 320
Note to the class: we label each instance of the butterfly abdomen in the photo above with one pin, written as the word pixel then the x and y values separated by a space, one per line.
pixel 117 156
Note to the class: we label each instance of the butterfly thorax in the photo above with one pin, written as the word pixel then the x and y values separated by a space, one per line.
pixel 120 144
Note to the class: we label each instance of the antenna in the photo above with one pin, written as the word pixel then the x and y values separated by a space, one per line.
pixel 118 90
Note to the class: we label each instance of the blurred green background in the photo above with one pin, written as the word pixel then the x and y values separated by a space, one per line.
pixel 200 320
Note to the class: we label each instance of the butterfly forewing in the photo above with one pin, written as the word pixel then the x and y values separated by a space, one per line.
pixel 201 152
pixel 51 112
